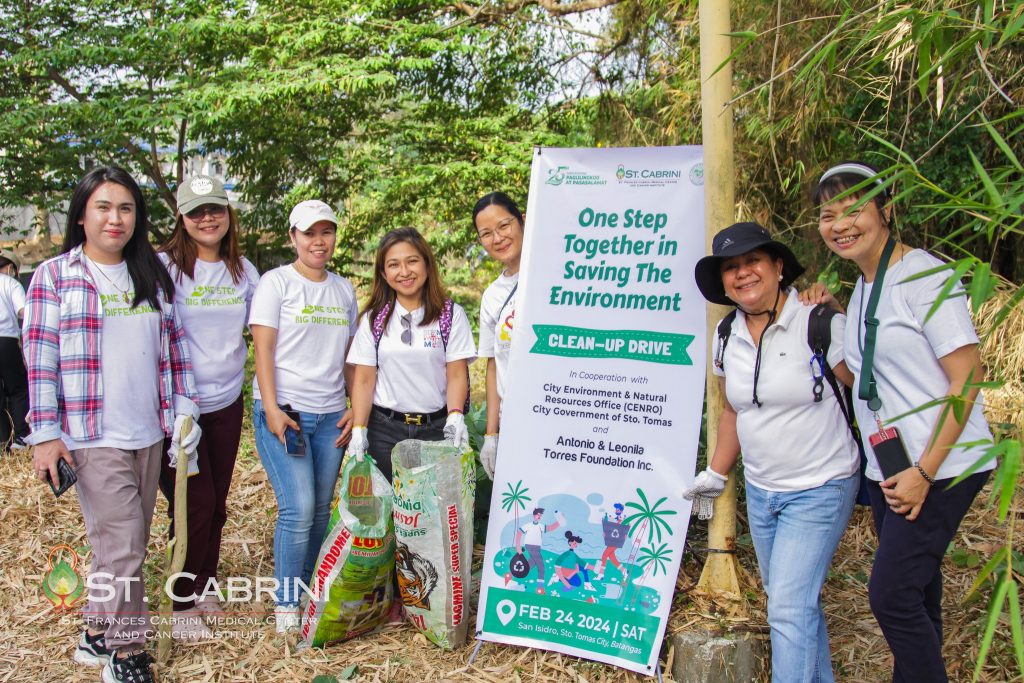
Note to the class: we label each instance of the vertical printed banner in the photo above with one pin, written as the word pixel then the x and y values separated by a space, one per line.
pixel 601 420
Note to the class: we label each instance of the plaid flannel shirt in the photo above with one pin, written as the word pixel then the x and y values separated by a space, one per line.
pixel 62 328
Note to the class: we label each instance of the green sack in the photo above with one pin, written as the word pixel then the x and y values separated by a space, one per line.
pixel 434 485
pixel 352 584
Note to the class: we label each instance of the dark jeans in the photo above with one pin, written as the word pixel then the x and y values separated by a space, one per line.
pixel 383 433
pixel 207 497
pixel 905 589
pixel 13 391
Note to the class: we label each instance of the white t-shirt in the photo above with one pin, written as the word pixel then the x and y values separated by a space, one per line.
pixel 497 318
pixel 130 363
pixel 533 533
pixel 412 378
pixel 790 443
pixel 906 366
pixel 12 300
pixel 314 322
pixel 213 309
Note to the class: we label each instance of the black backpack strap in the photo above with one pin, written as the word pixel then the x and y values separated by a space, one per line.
pixel 819 338
pixel 724 331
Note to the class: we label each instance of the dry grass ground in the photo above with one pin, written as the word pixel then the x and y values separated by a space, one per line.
pixel 36 642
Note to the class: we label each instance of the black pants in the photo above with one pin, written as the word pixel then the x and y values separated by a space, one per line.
pixel 207 497
pixel 383 433
pixel 905 589
pixel 13 391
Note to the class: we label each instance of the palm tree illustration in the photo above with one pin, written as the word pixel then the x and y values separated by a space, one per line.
pixel 515 499
pixel 647 518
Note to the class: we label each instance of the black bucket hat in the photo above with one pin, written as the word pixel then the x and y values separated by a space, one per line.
pixel 736 240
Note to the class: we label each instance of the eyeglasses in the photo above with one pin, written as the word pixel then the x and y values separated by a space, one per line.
pixel 211 210
pixel 504 228
pixel 407 329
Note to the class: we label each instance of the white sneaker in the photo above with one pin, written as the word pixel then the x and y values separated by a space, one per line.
pixel 287 618
pixel 589 586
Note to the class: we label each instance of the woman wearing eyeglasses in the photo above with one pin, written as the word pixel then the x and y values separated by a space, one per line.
pixel 302 321
pixel 499 226
pixel 410 354
pixel 214 285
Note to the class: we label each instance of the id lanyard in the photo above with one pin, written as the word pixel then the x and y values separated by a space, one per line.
pixel 867 389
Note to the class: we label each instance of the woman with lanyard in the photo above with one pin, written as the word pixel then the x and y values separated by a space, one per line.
pixel 906 355
pixel 109 378
pixel 499 226
pixel 410 354
pixel 801 463
pixel 302 321
pixel 13 379
pixel 214 285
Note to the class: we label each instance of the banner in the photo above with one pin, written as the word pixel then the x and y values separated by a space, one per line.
pixel 601 418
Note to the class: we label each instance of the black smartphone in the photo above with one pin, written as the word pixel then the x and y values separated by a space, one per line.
pixel 890 452
pixel 294 444
pixel 66 478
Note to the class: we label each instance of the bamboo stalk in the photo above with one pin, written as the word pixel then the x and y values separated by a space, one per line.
pixel 720 574
pixel 177 547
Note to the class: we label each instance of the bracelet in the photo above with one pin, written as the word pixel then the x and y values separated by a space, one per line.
pixel 931 482
pixel 455 410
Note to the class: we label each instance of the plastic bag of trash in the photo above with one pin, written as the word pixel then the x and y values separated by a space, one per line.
pixel 352 587
pixel 434 485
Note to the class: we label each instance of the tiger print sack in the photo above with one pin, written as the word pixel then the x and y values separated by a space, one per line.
pixel 434 484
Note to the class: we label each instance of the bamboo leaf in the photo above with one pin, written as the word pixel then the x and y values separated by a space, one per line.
pixel 1016 627
pixel 986 571
pixel 983 284
pixel 994 611
pixel 986 180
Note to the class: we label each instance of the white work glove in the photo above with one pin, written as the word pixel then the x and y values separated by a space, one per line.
pixel 186 443
pixel 707 486
pixel 455 430
pixel 359 444
pixel 489 454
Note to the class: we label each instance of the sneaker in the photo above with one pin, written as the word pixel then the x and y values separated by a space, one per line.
pixel 589 586
pixel 18 444
pixel 92 650
pixel 188 625
pixel 129 669
pixel 287 618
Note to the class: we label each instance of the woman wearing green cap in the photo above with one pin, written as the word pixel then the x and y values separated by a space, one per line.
pixel 214 285
pixel 801 463
pixel 13 379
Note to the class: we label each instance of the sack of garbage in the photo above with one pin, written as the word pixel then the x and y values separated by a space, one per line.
pixel 434 485
pixel 352 583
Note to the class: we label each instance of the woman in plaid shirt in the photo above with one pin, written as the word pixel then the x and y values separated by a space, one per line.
pixel 109 377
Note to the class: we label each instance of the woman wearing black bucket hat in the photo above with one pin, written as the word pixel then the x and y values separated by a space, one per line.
pixel 801 464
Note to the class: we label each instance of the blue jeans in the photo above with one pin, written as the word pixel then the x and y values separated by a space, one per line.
pixel 304 488
pixel 795 535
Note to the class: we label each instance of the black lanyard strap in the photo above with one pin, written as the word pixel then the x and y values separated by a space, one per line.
pixel 867 390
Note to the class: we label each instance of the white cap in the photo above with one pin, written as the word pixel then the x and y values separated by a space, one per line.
pixel 311 211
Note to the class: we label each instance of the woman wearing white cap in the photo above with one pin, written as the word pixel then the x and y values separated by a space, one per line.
pixel 214 285
pixel 302 322
pixel 926 355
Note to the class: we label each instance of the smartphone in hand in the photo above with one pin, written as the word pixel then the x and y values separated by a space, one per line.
pixel 294 443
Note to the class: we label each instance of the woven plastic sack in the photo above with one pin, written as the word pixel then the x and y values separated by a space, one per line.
pixel 352 583
pixel 434 485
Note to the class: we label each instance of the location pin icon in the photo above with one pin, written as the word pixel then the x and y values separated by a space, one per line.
pixel 506 609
